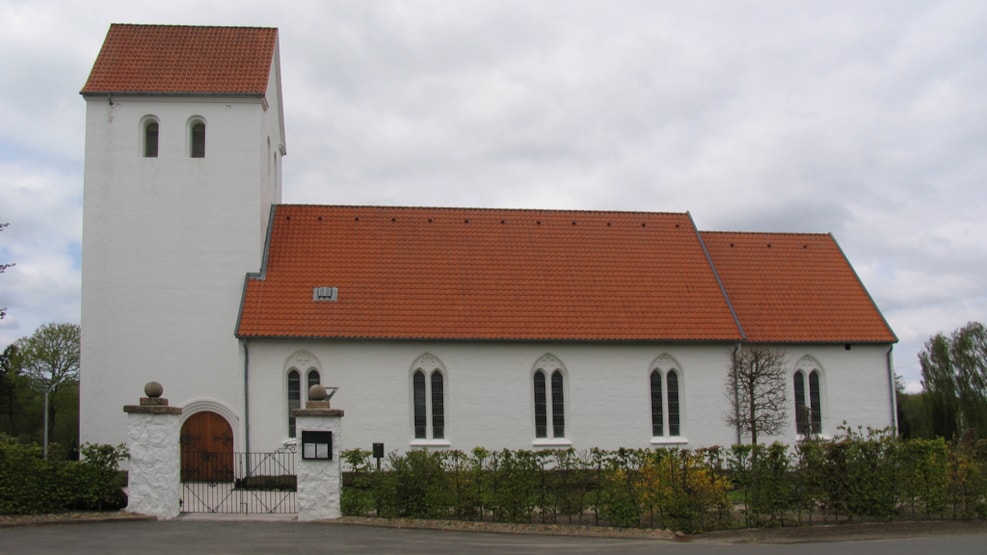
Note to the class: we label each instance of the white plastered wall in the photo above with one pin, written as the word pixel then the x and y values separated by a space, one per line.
pixel 166 244
pixel 489 392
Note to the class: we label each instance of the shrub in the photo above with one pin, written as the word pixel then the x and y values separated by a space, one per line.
pixel 31 484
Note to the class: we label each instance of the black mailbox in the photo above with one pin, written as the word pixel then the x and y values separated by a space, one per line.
pixel 317 445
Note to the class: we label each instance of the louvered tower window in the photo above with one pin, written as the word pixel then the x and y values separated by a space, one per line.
pixel 198 140
pixel 151 139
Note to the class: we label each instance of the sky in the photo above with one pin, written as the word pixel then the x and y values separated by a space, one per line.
pixel 864 119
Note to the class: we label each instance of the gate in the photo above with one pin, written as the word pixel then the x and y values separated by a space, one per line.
pixel 245 483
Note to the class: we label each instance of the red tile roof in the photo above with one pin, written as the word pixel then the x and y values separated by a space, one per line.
pixel 485 274
pixel 174 59
pixel 795 287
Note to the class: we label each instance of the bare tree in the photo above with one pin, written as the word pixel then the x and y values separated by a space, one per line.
pixel 3 309
pixel 756 386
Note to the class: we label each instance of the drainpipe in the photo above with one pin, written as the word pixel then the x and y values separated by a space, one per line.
pixel 894 392
pixel 736 395
pixel 246 396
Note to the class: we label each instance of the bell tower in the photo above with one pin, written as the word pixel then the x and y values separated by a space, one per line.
pixel 184 142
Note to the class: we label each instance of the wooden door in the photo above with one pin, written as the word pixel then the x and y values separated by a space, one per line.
pixel 207 448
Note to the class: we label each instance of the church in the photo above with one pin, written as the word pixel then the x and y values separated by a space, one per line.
pixel 442 328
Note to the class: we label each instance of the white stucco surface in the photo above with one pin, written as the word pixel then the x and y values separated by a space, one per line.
pixel 167 241
pixel 320 482
pixel 488 391
pixel 155 465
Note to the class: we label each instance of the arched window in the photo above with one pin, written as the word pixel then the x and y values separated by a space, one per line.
pixel 421 420
pixel 674 428
pixel 428 398
pixel 666 406
pixel 801 412
pixel 541 406
pixel 815 403
pixel 549 398
pixel 438 406
pixel 197 139
pixel 808 397
pixel 313 379
pixel 150 138
pixel 558 405
pixel 294 399
pixel 657 405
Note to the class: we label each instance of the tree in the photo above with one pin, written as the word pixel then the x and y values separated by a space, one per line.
pixel 756 386
pixel 954 375
pixel 3 268
pixel 10 378
pixel 50 359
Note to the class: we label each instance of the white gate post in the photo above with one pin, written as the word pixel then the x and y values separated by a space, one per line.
pixel 155 458
pixel 319 470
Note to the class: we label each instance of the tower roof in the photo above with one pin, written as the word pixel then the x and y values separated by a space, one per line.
pixel 183 60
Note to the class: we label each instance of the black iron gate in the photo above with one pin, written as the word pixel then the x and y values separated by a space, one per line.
pixel 230 482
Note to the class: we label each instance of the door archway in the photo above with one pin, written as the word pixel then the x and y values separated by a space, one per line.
pixel 207 448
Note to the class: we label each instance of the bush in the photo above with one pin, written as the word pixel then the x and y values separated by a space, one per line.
pixel 30 484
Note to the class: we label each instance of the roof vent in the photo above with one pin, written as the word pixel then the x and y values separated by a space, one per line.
pixel 324 293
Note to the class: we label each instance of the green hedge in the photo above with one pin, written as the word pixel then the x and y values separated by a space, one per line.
pixel 30 484
pixel 860 475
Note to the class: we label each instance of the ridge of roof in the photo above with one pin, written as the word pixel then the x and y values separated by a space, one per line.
pixel 381 208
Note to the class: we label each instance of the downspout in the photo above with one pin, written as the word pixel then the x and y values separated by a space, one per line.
pixel 736 394
pixel 246 396
pixel 894 392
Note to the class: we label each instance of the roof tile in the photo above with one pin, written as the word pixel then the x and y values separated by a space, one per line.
pixel 485 274
pixel 176 59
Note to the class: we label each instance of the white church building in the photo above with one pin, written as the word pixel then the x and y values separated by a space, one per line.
pixel 446 328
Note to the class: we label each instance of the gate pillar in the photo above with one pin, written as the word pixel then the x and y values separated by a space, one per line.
pixel 319 470
pixel 152 438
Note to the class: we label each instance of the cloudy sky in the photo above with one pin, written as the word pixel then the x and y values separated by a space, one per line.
pixel 865 119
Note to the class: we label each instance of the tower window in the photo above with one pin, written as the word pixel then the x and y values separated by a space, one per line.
pixel 151 139
pixel 198 142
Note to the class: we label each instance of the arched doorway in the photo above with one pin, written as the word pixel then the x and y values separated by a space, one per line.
pixel 207 448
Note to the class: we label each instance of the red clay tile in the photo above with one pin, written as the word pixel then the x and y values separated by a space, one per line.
pixel 795 287
pixel 175 59
pixel 476 274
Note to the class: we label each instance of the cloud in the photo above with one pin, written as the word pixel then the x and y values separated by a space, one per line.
pixel 860 119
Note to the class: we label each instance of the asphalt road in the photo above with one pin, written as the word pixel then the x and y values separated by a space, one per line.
pixel 212 537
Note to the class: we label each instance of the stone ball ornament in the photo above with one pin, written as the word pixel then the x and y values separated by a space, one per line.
pixel 153 389
pixel 317 393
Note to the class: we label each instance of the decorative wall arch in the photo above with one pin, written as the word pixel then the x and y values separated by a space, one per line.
pixel 296 371
pixel 428 382
pixel 809 385
pixel 666 383
pixel 206 404
pixel 550 391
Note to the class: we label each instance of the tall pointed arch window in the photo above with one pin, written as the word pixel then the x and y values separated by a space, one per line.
pixel 808 398
pixel 302 371
pixel 549 388
pixel 665 380
pixel 150 138
pixel 294 398
pixel 197 139
pixel 428 398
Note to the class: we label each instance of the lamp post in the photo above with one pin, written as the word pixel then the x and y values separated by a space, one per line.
pixel 47 391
